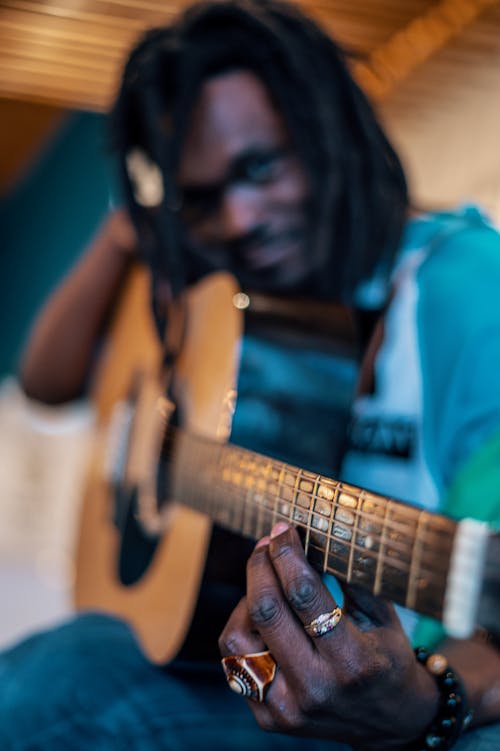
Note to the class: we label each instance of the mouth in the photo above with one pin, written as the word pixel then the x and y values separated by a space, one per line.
pixel 270 252
pixel 265 257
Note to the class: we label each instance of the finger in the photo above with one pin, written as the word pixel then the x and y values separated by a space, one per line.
pixel 277 622
pixel 239 636
pixel 268 608
pixel 303 588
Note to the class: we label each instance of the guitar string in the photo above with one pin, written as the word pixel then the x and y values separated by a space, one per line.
pixel 223 513
pixel 448 526
pixel 232 454
pixel 348 542
pixel 430 600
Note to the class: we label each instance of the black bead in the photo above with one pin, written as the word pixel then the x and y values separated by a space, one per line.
pixel 453 701
pixel 448 724
pixel 452 713
pixel 449 679
pixel 421 653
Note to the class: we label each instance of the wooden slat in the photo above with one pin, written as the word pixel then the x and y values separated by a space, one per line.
pixel 416 43
pixel 95 35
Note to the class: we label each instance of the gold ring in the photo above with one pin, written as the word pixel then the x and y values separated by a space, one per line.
pixel 250 675
pixel 324 623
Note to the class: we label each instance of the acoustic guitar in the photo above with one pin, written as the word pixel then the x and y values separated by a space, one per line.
pixel 172 490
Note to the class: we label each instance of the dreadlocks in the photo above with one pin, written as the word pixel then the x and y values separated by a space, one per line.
pixel 359 195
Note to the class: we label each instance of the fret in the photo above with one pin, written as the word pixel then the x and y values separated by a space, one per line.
pixel 399 534
pixel 391 549
pixel 415 562
pixel 277 474
pixel 304 503
pixel 344 525
pixel 358 567
pixel 260 529
pixel 355 531
pixel 270 488
pixel 370 526
pixel 287 491
pixel 303 497
pixel 379 568
pixel 248 509
pixel 436 547
pixel 247 514
pixel 325 509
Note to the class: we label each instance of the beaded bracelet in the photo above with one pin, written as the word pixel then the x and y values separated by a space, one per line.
pixel 453 716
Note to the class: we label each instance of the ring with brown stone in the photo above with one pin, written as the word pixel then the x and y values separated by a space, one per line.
pixel 250 675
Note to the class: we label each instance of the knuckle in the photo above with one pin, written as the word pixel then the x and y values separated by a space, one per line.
pixel 319 696
pixel 302 592
pixel 364 675
pixel 266 609
pixel 228 643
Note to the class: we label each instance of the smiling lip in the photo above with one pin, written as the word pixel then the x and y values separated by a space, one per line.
pixel 269 254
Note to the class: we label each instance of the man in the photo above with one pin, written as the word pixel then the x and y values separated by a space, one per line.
pixel 244 144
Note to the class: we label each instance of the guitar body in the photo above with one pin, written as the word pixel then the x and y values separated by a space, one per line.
pixel 169 518
pixel 159 602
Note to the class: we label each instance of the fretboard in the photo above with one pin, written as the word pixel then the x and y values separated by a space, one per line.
pixel 391 549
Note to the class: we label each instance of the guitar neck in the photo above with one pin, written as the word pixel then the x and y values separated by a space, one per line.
pixel 389 548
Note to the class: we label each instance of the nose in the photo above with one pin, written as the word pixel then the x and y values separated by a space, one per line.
pixel 240 212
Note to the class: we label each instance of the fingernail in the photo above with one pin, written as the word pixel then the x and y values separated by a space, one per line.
pixel 262 542
pixel 278 529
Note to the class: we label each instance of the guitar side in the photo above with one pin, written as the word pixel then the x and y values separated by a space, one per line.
pixel 160 604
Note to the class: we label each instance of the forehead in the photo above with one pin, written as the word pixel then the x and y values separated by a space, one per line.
pixel 233 113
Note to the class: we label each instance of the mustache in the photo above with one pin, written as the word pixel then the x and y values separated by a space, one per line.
pixel 261 237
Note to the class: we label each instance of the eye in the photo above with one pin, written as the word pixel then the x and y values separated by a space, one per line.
pixel 261 168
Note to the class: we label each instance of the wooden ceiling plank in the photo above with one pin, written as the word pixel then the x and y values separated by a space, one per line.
pixel 70 44
pixel 72 72
pixel 33 84
pixel 64 98
pixel 37 85
pixel 61 28
pixel 74 14
pixel 168 11
pixel 416 43
pixel 55 56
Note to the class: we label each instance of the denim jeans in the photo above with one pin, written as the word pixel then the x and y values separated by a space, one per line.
pixel 85 686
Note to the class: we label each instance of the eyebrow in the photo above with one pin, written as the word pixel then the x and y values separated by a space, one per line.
pixel 198 191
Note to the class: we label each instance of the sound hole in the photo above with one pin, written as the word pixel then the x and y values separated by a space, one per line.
pixel 137 548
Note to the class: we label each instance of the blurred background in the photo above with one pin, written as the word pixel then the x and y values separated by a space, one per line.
pixel 432 69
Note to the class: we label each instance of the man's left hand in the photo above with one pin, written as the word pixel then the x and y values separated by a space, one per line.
pixel 359 683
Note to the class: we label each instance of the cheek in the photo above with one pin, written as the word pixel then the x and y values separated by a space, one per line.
pixel 294 190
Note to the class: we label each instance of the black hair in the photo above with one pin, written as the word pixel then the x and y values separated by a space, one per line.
pixel 359 193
